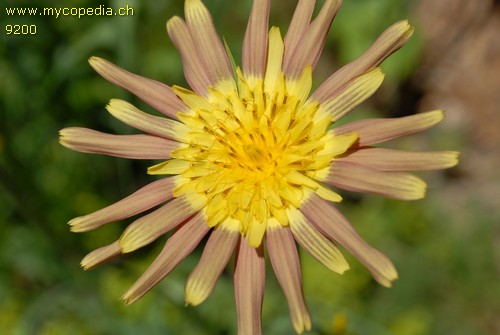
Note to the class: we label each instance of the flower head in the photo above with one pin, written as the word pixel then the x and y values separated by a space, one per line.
pixel 249 158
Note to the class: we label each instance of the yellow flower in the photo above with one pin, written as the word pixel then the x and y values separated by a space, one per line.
pixel 249 156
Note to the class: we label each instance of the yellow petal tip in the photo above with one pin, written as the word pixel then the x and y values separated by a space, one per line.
pixel 130 240
pixel 86 264
pixel 388 278
pixel 406 28
pixel 454 158
pixel 93 59
pixel 77 225
pixel 127 299
pixel 194 298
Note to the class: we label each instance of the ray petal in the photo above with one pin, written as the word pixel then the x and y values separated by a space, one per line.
pixel 315 243
pixel 372 131
pixel 334 225
pixel 100 256
pixel 311 43
pixel 358 178
pixel 125 146
pixel 285 262
pixel 143 199
pixel 256 40
pixel 301 86
pixel 159 126
pixel 177 247
pixel 216 254
pixel 208 43
pixel 300 21
pixel 156 94
pixel 149 227
pixel 195 71
pixel 352 94
pixel 336 145
pixel 391 40
pixel 274 59
pixel 249 282
pixel 384 159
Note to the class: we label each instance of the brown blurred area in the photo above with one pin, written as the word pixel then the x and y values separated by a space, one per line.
pixel 461 65
pixel 460 73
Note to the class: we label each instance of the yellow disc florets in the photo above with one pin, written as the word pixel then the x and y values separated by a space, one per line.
pixel 251 153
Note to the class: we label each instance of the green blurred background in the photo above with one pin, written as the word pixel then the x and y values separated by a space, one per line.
pixel 446 247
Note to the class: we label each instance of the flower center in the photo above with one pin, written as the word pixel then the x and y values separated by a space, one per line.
pixel 250 154
pixel 256 158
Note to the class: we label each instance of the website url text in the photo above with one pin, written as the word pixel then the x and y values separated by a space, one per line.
pixel 70 11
